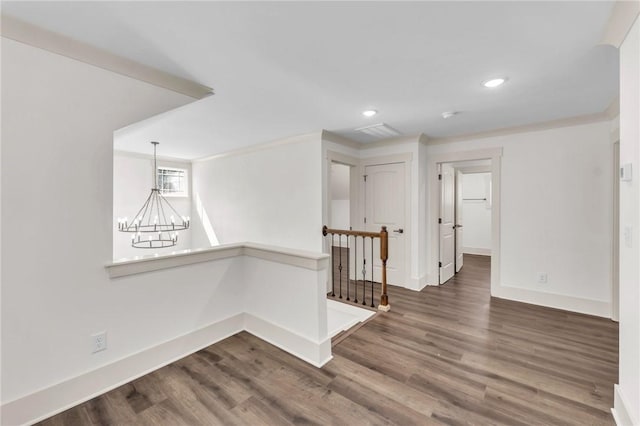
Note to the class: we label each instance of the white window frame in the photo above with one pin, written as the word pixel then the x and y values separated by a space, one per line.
pixel 185 181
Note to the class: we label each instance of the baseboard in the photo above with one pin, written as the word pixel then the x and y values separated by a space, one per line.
pixel 433 279
pixel 315 353
pixel 47 402
pixel 477 250
pixel 417 284
pixel 552 300
pixel 620 411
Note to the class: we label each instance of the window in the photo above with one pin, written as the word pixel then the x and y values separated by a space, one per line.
pixel 172 182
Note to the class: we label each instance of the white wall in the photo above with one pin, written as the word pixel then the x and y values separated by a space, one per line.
pixel 132 182
pixel 58 119
pixel 476 215
pixel 270 196
pixel 628 392
pixel 556 214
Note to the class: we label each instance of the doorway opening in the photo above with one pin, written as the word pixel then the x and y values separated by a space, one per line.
pixel 447 244
pixel 465 214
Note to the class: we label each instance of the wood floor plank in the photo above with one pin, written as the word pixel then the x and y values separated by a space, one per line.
pixel 446 355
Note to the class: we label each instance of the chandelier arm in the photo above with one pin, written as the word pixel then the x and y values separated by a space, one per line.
pixel 146 208
pixel 154 200
pixel 164 218
pixel 169 204
pixel 138 214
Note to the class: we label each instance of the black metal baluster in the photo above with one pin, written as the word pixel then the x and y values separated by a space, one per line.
pixel 340 264
pixel 355 246
pixel 372 305
pixel 364 272
pixel 347 270
pixel 356 276
pixel 333 266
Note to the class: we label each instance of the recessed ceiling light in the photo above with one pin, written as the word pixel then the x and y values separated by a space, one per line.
pixel 494 82
pixel 448 114
pixel 369 112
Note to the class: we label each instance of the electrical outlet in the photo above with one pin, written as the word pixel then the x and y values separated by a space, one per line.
pixel 542 277
pixel 99 342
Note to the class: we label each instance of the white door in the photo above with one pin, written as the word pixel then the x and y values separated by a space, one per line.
pixel 447 222
pixel 458 224
pixel 385 206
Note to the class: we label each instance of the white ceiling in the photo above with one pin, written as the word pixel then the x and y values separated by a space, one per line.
pixel 283 69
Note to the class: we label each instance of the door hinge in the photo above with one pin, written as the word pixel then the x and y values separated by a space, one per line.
pixel 439 176
pixel 365 220
pixel 439 220
pixel 365 177
pixel 439 264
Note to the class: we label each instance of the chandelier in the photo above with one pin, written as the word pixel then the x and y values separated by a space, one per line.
pixel 157 223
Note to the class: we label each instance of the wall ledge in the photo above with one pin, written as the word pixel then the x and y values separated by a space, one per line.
pixel 144 264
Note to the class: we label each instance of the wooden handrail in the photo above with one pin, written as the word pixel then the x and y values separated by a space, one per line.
pixel 384 256
pixel 326 231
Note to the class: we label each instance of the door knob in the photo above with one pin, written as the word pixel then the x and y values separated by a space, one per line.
pixel 399 231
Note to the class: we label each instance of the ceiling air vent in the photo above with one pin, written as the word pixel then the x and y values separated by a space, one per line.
pixel 380 131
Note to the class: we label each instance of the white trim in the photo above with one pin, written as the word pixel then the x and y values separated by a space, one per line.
pixel 481 251
pixel 338 157
pixel 622 17
pixel 553 300
pixel 340 140
pixel 399 140
pixel 315 353
pixel 620 411
pixel 260 147
pixel 615 240
pixel 32 35
pixel 299 258
pixel 122 153
pixel 495 154
pixel 534 127
pixel 354 187
pixel 473 169
pixel 185 178
pixel 406 159
pixel 613 110
pixel 416 283
pixel 54 399
pixel 432 279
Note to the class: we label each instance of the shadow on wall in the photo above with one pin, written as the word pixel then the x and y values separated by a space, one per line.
pixel 206 223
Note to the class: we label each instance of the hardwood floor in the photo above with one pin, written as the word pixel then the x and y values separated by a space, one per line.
pixel 446 355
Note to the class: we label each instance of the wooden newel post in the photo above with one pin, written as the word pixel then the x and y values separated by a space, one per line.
pixel 384 255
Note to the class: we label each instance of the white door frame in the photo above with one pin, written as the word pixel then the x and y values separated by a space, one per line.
pixel 405 158
pixel 615 252
pixel 357 194
pixel 354 187
pixel 495 155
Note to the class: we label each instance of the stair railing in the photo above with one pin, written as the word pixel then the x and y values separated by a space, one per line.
pixel 383 236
